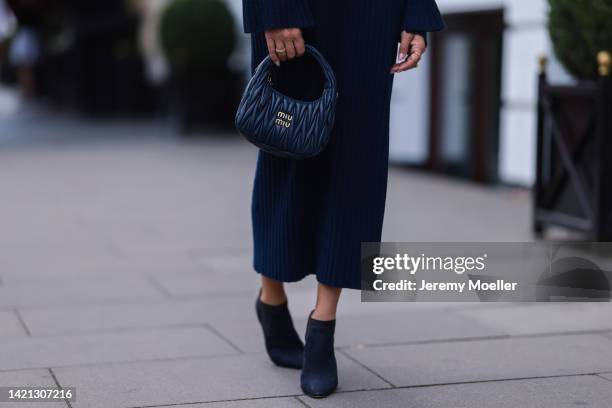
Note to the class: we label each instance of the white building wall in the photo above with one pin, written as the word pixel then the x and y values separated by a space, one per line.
pixel 525 39
pixel 409 126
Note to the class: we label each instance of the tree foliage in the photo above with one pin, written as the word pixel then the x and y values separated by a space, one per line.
pixel 198 34
pixel 579 30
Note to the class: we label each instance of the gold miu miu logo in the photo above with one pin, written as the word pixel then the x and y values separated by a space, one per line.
pixel 284 119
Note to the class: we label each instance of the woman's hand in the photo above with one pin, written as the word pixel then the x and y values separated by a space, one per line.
pixel 285 44
pixel 412 48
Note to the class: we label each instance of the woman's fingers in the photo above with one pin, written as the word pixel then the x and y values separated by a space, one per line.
pixel 405 46
pixel 281 49
pixel 285 44
pixel 290 49
pixel 272 50
pixel 418 44
pixel 411 62
pixel 300 47
pixel 417 48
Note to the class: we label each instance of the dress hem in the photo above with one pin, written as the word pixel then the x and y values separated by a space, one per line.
pixel 301 278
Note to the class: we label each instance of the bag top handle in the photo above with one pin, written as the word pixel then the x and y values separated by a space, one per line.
pixel 267 65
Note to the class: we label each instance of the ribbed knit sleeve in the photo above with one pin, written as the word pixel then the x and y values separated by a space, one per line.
pixel 261 15
pixel 422 16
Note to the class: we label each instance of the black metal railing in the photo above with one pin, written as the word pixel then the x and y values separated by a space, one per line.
pixel 573 186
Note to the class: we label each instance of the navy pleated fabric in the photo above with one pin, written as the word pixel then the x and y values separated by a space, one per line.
pixel 310 216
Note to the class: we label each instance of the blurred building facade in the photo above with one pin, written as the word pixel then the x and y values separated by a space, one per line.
pixel 472 102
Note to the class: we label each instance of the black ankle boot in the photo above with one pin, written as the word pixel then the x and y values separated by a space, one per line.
pixel 319 373
pixel 282 341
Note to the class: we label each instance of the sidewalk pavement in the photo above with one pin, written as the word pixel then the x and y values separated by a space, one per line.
pixel 125 272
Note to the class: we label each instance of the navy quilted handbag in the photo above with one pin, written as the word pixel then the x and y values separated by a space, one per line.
pixel 286 126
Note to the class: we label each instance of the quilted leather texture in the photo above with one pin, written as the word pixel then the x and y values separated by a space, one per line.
pixel 282 125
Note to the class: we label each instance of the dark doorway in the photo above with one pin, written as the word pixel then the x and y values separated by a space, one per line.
pixel 465 87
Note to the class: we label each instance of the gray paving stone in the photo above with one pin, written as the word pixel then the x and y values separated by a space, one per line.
pixel 227 311
pixel 562 392
pixel 10 327
pixel 161 257
pixel 402 327
pixel 233 310
pixel 29 378
pixel 112 347
pixel 35 293
pixel 65 319
pixel 442 363
pixel 27 272
pixel 27 261
pixel 290 402
pixel 429 208
pixel 210 283
pixel 197 380
pixel 235 261
pixel 535 318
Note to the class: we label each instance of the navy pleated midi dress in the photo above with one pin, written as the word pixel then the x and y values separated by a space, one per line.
pixel 310 216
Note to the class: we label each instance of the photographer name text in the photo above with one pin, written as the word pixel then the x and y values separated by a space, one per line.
pixel 427 286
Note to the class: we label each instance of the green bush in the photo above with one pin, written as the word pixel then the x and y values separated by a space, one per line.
pixel 579 29
pixel 198 34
